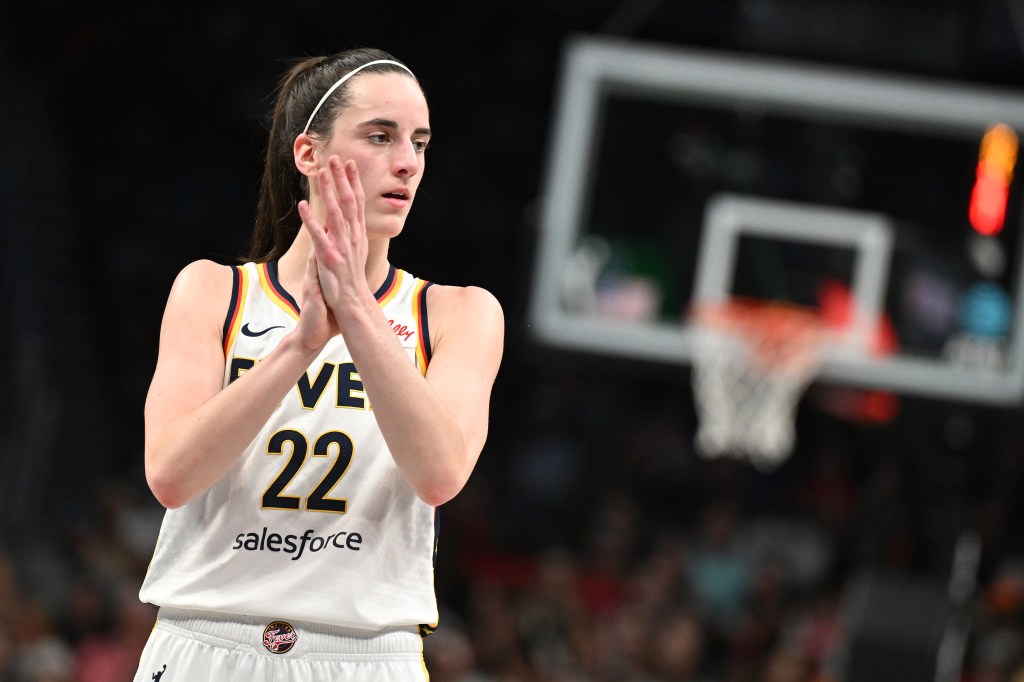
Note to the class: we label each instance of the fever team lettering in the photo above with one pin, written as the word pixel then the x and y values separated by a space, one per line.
pixel 313 385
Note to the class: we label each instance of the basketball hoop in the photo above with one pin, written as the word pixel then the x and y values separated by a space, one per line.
pixel 752 361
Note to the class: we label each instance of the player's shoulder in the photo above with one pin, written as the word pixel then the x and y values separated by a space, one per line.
pixel 202 283
pixel 462 301
pixel 204 276
pixel 462 312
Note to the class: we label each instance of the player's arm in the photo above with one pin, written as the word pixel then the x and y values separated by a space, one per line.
pixel 468 340
pixel 435 426
pixel 195 429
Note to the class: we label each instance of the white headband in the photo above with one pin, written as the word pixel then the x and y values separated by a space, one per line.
pixel 345 78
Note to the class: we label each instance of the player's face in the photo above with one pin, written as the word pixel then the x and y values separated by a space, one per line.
pixel 385 130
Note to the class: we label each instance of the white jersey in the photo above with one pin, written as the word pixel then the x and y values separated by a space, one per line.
pixel 314 521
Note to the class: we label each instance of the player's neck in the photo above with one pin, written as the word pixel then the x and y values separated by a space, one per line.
pixel 291 268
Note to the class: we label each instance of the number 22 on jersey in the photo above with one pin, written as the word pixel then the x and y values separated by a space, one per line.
pixel 318 499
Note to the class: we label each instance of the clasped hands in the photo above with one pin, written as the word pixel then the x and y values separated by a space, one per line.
pixel 335 276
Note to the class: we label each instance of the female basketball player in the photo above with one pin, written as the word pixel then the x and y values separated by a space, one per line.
pixel 310 409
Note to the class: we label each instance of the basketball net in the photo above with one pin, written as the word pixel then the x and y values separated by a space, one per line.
pixel 752 362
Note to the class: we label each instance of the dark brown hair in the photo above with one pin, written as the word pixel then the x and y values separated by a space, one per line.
pixel 283 186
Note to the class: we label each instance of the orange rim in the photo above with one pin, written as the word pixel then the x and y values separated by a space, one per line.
pixel 780 335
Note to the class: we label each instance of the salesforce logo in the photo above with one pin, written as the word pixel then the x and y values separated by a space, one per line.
pixel 296 545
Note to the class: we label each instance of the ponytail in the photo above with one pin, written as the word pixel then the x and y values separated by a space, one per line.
pixel 282 187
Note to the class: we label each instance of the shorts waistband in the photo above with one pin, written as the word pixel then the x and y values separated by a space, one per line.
pixel 295 638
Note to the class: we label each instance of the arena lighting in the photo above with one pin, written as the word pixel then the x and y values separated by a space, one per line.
pixel 996 159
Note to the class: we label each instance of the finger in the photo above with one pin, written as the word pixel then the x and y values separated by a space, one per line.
pixel 352 175
pixel 329 193
pixel 311 294
pixel 309 220
pixel 310 281
pixel 317 232
pixel 312 274
pixel 347 198
pixel 351 197
pixel 314 285
pixel 305 212
pixel 356 184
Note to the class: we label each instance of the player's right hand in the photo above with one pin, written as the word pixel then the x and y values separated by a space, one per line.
pixel 316 321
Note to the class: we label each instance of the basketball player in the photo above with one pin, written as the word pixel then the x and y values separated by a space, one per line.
pixel 311 409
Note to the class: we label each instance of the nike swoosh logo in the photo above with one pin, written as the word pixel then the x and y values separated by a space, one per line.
pixel 248 332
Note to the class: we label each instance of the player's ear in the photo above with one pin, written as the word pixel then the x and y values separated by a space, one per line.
pixel 304 153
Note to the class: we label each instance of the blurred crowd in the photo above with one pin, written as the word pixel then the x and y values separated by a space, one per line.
pixel 594 544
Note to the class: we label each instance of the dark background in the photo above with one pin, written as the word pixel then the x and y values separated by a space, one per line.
pixel 131 142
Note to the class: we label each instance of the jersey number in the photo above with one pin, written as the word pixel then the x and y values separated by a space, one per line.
pixel 316 500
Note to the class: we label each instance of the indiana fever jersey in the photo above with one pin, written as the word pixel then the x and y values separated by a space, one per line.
pixel 314 521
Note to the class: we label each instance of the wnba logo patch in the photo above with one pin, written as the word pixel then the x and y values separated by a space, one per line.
pixel 279 637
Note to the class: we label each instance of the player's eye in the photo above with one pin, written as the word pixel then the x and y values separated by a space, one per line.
pixel 420 145
pixel 379 138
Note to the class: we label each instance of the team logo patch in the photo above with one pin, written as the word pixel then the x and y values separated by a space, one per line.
pixel 279 637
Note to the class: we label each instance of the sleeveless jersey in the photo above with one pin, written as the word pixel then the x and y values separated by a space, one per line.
pixel 314 521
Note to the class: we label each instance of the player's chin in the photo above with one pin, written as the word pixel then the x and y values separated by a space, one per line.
pixel 385 227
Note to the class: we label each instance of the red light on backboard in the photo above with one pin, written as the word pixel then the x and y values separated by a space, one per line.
pixel 996 160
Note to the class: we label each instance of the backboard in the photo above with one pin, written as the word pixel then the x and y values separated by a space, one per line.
pixel 680 176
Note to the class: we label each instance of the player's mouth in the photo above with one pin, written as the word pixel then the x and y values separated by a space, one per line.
pixel 398 198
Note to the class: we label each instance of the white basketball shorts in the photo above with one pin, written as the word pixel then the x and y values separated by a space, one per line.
pixel 195 646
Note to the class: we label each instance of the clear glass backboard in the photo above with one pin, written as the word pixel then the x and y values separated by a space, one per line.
pixel 677 177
